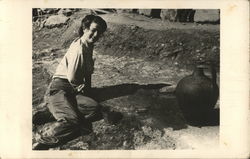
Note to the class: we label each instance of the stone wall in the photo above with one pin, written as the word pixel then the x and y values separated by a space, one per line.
pixel 172 15
pixel 207 15
pixel 184 15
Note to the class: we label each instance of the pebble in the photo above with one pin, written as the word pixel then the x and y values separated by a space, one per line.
pixel 125 143
pixel 214 49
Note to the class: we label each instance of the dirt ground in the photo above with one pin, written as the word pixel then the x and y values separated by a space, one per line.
pixel 139 61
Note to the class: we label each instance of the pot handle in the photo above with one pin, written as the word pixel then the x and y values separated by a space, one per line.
pixel 213 73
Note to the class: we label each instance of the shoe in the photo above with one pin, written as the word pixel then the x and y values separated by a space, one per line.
pixel 55 134
pixel 45 142
pixel 40 146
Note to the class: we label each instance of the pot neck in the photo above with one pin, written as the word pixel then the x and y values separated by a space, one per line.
pixel 198 71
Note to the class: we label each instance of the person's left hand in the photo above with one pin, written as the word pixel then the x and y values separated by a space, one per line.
pixel 80 88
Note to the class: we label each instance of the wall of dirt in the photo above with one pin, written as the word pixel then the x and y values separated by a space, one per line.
pixel 183 48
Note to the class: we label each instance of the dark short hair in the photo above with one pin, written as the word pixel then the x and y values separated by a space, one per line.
pixel 88 19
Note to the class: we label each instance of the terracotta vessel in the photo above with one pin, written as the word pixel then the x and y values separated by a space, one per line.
pixel 197 95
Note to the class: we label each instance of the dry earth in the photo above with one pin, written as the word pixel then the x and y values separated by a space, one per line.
pixel 139 61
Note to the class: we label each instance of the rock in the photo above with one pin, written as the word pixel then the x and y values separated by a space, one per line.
pixel 215 49
pixel 49 10
pixel 154 13
pixel 56 21
pixel 71 33
pixel 134 27
pixel 185 15
pixel 65 11
pixel 169 14
pixel 80 145
pixel 180 15
pixel 207 15
pixel 126 11
pixel 146 12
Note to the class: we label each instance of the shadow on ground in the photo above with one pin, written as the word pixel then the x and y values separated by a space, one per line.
pixel 146 114
pixel 160 110
pixel 109 92
pixel 145 102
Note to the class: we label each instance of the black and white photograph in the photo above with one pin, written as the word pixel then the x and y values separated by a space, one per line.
pixel 125 79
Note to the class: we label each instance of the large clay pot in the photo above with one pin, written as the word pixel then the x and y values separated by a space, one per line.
pixel 197 95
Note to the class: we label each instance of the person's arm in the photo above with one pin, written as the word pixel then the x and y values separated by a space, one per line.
pixel 75 65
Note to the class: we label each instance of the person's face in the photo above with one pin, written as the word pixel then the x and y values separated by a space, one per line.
pixel 92 34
